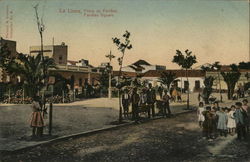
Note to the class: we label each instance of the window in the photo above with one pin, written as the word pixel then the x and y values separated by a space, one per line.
pixel 197 84
pixel 186 85
pixel 80 82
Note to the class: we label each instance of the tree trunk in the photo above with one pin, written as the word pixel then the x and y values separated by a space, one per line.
pixel 220 87
pixel 228 93
pixel 232 91
pixel 187 89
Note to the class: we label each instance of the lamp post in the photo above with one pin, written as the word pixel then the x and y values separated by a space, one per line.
pixel 110 57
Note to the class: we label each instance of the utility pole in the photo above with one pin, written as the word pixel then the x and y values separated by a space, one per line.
pixel 110 57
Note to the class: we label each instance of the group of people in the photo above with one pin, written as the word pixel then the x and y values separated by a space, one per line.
pixel 221 121
pixel 144 100
pixel 175 95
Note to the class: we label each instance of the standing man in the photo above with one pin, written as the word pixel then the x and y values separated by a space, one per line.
pixel 239 119
pixel 166 106
pixel 125 102
pixel 160 91
pixel 135 98
pixel 151 98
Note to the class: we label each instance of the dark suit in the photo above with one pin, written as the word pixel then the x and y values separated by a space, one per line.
pixel 166 106
pixel 151 98
pixel 125 103
pixel 135 98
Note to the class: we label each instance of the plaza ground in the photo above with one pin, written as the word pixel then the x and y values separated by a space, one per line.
pixel 68 118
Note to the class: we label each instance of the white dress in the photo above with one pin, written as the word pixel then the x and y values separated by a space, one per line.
pixel 200 115
pixel 231 121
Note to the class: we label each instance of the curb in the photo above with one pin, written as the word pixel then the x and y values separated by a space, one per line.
pixel 87 133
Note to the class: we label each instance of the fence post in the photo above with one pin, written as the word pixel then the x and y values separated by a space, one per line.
pixel 9 95
pixel 23 96
pixel 50 117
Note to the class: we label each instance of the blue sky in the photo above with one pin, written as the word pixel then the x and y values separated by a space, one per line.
pixel 216 30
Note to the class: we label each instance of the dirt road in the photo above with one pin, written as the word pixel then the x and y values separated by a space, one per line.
pixel 172 139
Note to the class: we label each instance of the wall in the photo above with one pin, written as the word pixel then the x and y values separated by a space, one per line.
pixel 60 51
pixel 154 81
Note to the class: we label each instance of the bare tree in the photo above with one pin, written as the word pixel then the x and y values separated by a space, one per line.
pixel 122 48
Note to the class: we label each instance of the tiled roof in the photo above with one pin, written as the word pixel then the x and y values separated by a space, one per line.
pixel 141 62
pixel 178 73
pixel 125 73
pixel 157 73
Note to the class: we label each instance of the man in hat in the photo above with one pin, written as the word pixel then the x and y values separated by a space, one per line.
pixel 125 102
pixel 151 98
pixel 166 107
pixel 240 122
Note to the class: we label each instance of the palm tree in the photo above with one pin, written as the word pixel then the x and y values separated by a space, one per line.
pixel 186 62
pixel 231 78
pixel 214 67
pixel 30 68
pixel 4 56
pixel 167 79
pixel 207 91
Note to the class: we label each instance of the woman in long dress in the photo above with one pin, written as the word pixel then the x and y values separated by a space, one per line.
pixel 36 120
pixel 231 124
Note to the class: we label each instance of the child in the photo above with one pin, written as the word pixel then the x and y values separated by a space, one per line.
pixel 214 119
pixel 36 121
pixel 222 122
pixel 201 117
pixel 231 125
pixel 207 124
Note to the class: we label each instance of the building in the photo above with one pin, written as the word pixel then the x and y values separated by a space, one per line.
pixel 195 78
pixel 142 66
pixel 78 75
pixel 58 52
pixel 11 46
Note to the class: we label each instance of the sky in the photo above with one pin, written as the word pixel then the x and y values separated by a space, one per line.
pixel 214 30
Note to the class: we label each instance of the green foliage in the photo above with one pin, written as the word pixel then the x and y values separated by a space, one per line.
pixel 167 78
pixel 30 68
pixel 207 91
pixel 185 61
pixel 213 67
pixel 104 78
pixel 122 47
pixel 5 56
pixel 231 78
pixel 244 65
pixel 216 66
